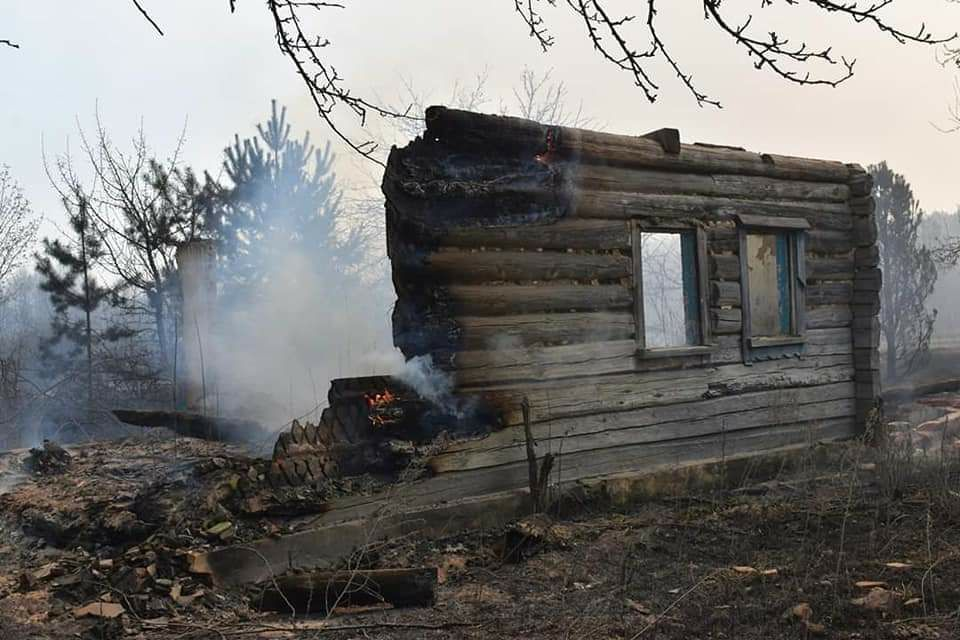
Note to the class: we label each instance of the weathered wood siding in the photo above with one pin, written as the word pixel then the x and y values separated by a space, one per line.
pixel 511 250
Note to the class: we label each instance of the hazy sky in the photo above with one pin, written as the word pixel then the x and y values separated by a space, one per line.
pixel 217 72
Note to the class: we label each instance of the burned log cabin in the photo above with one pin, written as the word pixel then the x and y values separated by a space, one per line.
pixel 657 304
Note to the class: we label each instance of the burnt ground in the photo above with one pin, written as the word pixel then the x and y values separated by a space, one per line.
pixel 793 557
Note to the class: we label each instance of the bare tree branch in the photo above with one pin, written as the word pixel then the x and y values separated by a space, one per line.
pixel 795 63
pixel 323 82
pixel 8 43
pixel 146 15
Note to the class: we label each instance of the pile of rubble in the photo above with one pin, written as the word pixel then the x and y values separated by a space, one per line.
pixel 104 533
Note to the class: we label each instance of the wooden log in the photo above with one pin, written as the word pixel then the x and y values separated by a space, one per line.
pixel 621 180
pixel 523 266
pixel 868 279
pixel 865 231
pixel 724 294
pixel 470 129
pixel 866 358
pixel 818 242
pixel 861 182
pixel 830 293
pixel 701 418
pixel 195 425
pixel 829 316
pixel 494 300
pixel 631 151
pixel 829 268
pixel 322 591
pixel 579 360
pixel 724 267
pixel 603 235
pixel 866 257
pixel 725 321
pixel 551 375
pixel 500 332
pixel 591 203
pixel 863 206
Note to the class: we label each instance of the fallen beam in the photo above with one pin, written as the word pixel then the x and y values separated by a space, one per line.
pixel 322 591
pixel 195 425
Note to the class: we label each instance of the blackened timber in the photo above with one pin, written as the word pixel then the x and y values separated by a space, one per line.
pixel 195 425
pixel 478 130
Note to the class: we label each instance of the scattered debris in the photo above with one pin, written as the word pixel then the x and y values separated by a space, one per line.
pixel 879 599
pixel 51 458
pixel 322 591
pixel 99 610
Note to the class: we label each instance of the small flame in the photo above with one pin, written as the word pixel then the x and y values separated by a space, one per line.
pixel 377 402
pixel 547 156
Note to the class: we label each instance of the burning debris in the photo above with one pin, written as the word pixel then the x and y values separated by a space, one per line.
pixel 51 458
pixel 375 425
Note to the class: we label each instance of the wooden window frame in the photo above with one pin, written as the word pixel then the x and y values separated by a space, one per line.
pixel 764 347
pixel 705 347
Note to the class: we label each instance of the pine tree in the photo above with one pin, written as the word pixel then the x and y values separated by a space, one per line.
pixel 909 273
pixel 283 197
pixel 67 274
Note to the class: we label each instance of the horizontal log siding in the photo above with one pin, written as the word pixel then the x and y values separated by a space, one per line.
pixel 678 420
pixel 645 457
pixel 544 309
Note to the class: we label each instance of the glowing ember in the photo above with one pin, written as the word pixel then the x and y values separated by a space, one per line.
pixel 380 410
pixel 547 156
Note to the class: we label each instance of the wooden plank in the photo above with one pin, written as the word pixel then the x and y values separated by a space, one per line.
pixel 523 266
pixel 500 332
pixel 621 180
pixel 701 418
pixel 464 129
pixel 619 205
pixel 568 233
pixel 494 300
pixel 550 399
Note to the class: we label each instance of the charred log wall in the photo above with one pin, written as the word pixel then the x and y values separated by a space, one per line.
pixel 512 260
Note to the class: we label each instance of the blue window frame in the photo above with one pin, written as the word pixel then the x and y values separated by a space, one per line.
pixel 773 286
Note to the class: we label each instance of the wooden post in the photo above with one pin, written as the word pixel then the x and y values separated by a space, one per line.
pixel 867 282
pixel 195 264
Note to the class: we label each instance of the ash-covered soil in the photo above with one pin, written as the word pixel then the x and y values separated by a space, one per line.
pixel 866 545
